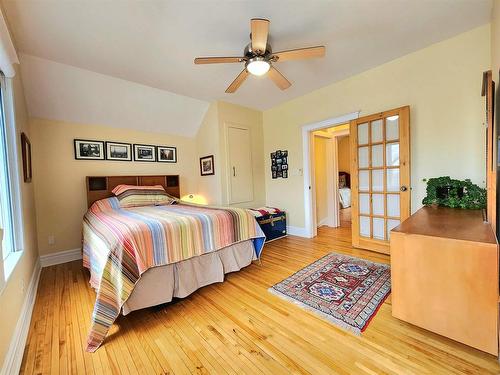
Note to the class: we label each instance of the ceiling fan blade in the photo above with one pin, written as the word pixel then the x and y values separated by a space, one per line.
pixel 237 82
pixel 260 31
pixel 218 60
pixel 278 78
pixel 300 53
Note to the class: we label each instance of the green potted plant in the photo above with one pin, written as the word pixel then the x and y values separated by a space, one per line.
pixel 447 192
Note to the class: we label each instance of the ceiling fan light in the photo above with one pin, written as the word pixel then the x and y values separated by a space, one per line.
pixel 258 66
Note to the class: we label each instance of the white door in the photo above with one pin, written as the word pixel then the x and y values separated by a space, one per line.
pixel 240 165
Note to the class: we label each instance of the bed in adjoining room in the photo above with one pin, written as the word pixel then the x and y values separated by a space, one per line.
pixel 345 189
pixel 143 246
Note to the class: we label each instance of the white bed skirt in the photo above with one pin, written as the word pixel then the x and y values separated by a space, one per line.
pixel 160 284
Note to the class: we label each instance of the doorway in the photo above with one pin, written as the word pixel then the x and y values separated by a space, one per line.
pixel 331 176
pixel 379 175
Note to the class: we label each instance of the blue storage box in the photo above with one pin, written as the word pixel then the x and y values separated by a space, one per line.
pixel 272 221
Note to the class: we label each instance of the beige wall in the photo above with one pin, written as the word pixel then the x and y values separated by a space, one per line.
pixel 60 179
pixel 208 143
pixel 441 83
pixel 13 295
pixel 320 178
pixel 343 154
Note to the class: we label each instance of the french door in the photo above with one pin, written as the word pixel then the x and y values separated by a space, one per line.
pixel 380 176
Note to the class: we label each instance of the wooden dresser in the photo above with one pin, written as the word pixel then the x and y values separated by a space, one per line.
pixel 444 270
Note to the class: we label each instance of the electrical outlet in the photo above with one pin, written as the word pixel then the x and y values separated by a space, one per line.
pixel 23 287
pixel 52 239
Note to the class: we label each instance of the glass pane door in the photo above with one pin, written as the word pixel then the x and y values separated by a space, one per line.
pixel 380 177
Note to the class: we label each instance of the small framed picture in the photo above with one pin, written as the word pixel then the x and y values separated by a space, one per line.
pixel 207 165
pixel 26 153
pixel 89 150
pixel 144 153
pixel 118 151
pixel 166 154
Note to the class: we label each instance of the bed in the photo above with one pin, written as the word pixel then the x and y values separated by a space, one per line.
pixel 345 189
pixel 146 255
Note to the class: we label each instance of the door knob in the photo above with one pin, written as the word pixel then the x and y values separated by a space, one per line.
pixel 403 188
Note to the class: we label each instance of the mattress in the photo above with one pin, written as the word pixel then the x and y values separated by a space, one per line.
pixel 345 197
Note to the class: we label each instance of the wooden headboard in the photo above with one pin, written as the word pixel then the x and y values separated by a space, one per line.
pixel 100 187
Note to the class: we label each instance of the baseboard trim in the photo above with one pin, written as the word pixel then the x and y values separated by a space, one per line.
pixel 60 257
pixel 297 231
pixel 14 357
pixel 323 222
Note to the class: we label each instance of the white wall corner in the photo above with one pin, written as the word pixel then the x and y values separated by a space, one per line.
pixel 297 231
pixel 60 257
pixel 324 221
pixel 14 357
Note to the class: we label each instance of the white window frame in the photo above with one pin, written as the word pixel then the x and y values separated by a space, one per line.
pixel 8 265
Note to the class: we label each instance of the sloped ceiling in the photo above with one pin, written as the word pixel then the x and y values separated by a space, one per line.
pixel 153 43
pixel 61 92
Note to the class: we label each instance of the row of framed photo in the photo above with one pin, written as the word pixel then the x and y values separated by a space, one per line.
pixel 103 150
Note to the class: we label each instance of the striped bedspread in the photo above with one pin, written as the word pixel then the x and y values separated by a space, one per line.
pixel 119 245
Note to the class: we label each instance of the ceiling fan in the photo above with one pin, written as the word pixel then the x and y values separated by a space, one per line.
pixel 259 57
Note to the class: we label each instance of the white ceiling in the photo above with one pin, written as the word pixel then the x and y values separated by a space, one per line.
pixel 154 42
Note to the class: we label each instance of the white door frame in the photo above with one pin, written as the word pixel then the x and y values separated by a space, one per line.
pixel 310 220
pixel 330 219
pixel 334 196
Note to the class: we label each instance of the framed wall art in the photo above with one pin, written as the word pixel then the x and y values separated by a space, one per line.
pixel 166 154
pixel 118 151
pixel 144 153
pixel 26 154
pixel 89 150
pixel 207 167
pixel 279 164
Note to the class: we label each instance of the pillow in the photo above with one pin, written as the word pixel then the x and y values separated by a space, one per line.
pixel 105 204
pixel 135 196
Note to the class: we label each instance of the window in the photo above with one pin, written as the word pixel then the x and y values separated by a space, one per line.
pixel 6 222
pixel 10 204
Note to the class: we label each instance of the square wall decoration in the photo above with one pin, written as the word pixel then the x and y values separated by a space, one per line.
pixel 279 164
pixel 118 151
pixel 89 150
pixel 166 154
pixel 144 153
pixel 207 167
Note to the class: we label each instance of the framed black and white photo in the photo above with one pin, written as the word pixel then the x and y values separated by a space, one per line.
pixel 118 151
pixel 89 150
pixel 207 165
pixel 144 153
pixel 166 154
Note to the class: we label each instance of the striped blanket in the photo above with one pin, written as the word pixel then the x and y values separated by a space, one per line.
pixel 120 244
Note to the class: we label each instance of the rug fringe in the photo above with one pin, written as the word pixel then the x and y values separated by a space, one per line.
pixel 330 318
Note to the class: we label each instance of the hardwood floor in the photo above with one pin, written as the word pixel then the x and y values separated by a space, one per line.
pixel 235 327
pixel 345 217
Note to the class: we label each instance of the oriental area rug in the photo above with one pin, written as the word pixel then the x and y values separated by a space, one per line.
pixel 345 290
